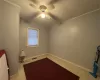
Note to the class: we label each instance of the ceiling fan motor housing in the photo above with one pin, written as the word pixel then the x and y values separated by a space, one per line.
pixel 43 8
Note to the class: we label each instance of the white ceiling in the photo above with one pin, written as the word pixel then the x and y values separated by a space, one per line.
pixel 64 9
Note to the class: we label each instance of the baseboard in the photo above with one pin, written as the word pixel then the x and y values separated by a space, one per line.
pixel 29 60
pixel 48 55
pixel 13 76
pixel 51 56
pixel 35 58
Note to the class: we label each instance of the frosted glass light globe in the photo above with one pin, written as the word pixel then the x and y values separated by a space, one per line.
pixel 43 15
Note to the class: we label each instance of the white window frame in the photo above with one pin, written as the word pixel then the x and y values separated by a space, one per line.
pixel 27 37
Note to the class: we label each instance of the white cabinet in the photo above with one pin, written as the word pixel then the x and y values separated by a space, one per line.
pixel 3 68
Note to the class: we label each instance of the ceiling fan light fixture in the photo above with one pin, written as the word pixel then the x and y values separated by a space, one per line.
pixel 43 8
pixel 43 15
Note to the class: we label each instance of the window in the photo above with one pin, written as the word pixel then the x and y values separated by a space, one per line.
pixel 33 36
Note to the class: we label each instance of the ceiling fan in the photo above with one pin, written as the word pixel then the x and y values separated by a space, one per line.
pixel 44 10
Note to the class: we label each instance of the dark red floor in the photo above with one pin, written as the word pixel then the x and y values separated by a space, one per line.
pixel 46 69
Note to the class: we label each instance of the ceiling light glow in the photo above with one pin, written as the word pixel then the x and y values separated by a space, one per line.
pixel 43 15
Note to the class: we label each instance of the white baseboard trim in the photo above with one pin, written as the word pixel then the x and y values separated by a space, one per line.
pixel 13 76
pixel 35 58
pixel 68 62
pixel 29 60
pixel 42 56
pixel 51 57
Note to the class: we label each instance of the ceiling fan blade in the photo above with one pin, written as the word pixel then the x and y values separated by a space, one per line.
pixel 32 5
pixel 35 15
pixel 50 6
pixel 53 1
pixel 35 1
pixel 55 18
pixel 30 18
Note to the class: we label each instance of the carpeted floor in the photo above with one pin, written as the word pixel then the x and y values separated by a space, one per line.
pixel 46 69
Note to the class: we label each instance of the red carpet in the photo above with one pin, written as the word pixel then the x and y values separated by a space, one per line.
pixel 46 69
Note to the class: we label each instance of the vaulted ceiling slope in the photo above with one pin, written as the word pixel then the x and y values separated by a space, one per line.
pixel 64 9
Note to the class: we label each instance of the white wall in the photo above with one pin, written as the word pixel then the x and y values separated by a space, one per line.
pixel 76 40
pixel 43 39
pixel 1 17
pixel 11 35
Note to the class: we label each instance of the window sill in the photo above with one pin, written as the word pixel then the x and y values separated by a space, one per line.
pixel 33 46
